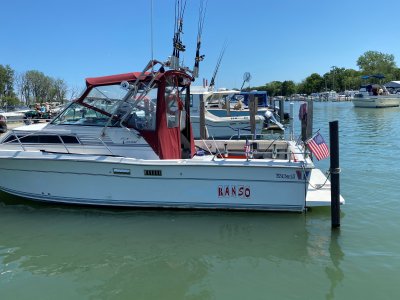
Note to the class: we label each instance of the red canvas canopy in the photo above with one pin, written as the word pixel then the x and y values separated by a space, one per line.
pixel 166 142
pixel 114 79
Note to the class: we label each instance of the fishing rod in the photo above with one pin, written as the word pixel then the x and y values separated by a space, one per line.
pixel 178 46
pixel 221 55
pixel 199 58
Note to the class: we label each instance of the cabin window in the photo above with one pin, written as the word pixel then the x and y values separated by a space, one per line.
pixel 42 139
pixel 78 114
pixel 140 111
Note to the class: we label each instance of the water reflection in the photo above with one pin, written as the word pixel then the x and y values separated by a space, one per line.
pixel 142 253
pixel 333 271
pixel 375 122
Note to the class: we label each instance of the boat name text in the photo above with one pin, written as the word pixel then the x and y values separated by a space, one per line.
pixel 240 191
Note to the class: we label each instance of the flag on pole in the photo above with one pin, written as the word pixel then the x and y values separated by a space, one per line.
pixel 318 146
pixel 247 148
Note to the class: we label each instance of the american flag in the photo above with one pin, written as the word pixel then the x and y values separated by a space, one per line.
pixel 318 146
pixel 247 148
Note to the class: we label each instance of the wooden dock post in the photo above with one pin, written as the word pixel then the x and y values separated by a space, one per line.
pixel 307 121
pixel 252 109
pixel 292 134
pixel 228 106
pixel 335 173
pixel 310 119
pixel 203 133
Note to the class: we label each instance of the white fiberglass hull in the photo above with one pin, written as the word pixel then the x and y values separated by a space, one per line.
pixel 377 101
pixel 195 183
pixel 226 127
pixel 236 113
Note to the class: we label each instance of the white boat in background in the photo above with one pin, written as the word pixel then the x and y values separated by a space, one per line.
pixel 376 95
pixel 219 125
pixel 328 96
pixel 14 116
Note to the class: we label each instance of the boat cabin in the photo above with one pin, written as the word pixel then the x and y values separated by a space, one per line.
pixel 152 106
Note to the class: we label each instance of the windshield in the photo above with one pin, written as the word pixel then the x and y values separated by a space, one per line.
pixel 103 102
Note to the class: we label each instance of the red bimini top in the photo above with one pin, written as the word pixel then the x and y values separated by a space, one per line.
pixel 165 141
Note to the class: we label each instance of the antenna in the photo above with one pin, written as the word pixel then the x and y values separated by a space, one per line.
pixel 212 82
pixel 246 78
pixel 199 58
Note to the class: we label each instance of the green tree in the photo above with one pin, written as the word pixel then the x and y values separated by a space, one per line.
pixel 274 88
pixel 351 80
pixel 313 83
pixel 6 81
pixel 60 89
pixel 374 62
pixel 7 95
pixel 36 87
pixel 288 88
pixel 396 74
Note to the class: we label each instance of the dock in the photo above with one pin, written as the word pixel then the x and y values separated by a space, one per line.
pixel 319 190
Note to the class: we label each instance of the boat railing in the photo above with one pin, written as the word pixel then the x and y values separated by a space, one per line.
pixel 19 139
pixel 290 156
pixel 256 149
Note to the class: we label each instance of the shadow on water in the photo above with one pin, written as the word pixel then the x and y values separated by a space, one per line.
pixel 159 253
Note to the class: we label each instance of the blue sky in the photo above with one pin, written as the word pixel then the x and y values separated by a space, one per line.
pixel 273 40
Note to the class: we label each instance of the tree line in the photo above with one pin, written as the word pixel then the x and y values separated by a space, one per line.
pixel 29 87
pixel 33 86
pixel 338 79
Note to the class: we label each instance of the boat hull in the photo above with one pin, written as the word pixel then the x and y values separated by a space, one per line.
pixel 235 113
pixel 226 128
pixel 376 101
pixel 191 184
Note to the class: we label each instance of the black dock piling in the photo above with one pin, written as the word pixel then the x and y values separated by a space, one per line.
pixel 335 173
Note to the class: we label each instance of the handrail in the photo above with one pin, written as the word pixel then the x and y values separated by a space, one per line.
pixel 21 143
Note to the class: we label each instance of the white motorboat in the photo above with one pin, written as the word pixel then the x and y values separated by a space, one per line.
pixel 375 95
pixel 14 116
pixel 366 99
pixel 218 123
pixel 127 141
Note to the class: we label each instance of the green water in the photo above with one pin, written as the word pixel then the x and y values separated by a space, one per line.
pixel 61 252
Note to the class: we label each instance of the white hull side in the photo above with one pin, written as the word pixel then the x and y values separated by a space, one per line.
pixel 111 181
pixel 236 113
pixel 376 102
pixel 230 127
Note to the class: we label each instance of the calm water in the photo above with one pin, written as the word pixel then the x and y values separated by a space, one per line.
pixel 55 252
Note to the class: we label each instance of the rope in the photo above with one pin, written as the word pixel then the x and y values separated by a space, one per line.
pixel 329 172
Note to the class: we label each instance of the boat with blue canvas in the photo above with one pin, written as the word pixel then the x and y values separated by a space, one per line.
pixel 374 95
